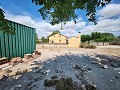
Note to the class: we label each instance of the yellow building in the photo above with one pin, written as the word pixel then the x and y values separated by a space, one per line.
pixel 58 39
pixel 75 41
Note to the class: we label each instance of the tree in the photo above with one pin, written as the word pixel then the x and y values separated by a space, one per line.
pixel 107 37
pixel 102 37
pixel 5 25
pixel 37 40
pixel 44 40
pixel 85 38
pixel 54 32
pixel 59 11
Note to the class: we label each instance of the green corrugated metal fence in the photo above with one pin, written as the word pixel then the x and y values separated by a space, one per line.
pixel 17 45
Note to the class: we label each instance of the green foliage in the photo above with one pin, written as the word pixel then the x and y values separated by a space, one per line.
pixel 95 36
pixel 54 32
pixel 116 41
pixel 90 46
pixel 59 11
pixel 85 38
pixel 37 40
pixel 102 37
pixel 5 25
pixel 44 40
pixel 82 45
pixel 98 37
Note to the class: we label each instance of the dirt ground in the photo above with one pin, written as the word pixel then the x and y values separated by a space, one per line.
pixel 107 50
pixel 90 69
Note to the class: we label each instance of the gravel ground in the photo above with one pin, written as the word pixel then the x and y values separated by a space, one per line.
pixel 99 68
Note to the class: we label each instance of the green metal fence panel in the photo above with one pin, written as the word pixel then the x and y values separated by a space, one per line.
pixel 17 45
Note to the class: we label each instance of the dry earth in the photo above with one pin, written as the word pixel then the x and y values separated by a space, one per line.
pixel 90 69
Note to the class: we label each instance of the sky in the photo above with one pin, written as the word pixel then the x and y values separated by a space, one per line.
pixel 26 12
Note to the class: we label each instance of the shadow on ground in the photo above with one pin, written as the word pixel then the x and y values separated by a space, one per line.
pixel 95 72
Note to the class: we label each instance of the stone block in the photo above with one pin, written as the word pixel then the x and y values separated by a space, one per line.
pixel 37 52
pixel 16 60
pixel 3 60
pixel 28 56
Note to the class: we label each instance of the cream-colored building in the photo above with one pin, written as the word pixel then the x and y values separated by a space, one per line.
pixel 75 41
pixel 58 39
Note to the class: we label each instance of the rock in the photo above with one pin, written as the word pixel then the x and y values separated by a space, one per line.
pixel 8 71
pixel 105 66
pixel 75 66
pixel 16 61
pixel 90 87
pixel 4 60
pixel 36 52
pixel 54 77
pixel 28 56
pixel 114 64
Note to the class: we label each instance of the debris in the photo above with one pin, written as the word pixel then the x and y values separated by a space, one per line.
pixel 105 66
pixel 90 87
pixel 47 71
pixel 4 60
pixel 36 52
pixel 28 56
pixel 16 60
pixel 76 66
pixel 49 82
pixel 54 77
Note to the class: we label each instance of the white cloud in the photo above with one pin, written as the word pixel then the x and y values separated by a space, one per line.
pixel 44 28
pixel 106 25
pixel 109 11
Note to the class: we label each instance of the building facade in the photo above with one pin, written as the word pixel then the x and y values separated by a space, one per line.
pixel 75 41
pixel 58 39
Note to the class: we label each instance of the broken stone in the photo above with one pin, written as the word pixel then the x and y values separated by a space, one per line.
pixel 4 60
pixel 28 56
pixel 105 66
pixel 36 52
pixel 9 71
pixel 75 66
pixel 54 77
pixel 90 87
pixel 16 61
pixel 114 64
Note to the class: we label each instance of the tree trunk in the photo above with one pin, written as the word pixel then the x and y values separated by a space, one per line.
pixel 103 43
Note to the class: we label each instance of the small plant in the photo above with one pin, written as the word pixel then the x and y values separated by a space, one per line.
pixel 91 46
pixel 65 84
pixel 62 84
pixel 81 46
